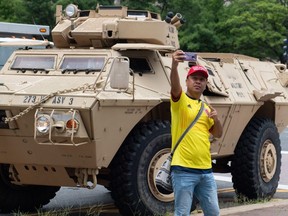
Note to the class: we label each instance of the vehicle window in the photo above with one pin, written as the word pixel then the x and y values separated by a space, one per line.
pixel 140 65
pixel 82 63
pixel 34 62
pixel 6 51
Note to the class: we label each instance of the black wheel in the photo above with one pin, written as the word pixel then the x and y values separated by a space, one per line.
pixel 22 198
pixel 257 161
pixel 134 169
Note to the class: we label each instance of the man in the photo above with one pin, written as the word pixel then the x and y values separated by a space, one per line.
pixel 191 167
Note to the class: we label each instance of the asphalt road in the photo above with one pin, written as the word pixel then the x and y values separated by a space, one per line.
pixel 81 200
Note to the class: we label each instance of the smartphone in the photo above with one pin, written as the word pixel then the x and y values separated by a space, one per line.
pixel 190 56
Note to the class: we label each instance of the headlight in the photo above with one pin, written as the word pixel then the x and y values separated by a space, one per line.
pixel 71 11
pixel 43 124
pixel 56 123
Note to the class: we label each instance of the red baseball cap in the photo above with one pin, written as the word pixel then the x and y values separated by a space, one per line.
pixel 198 68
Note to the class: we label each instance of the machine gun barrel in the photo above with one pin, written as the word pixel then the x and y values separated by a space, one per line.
pixel 176 18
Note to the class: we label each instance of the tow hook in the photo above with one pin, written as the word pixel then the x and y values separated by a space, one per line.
pixel 86 177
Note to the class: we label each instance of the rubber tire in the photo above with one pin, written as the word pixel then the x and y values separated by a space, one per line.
pixel 246 164
pixel 129 185
pixel 22 198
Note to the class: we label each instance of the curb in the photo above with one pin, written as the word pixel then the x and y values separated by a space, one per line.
pixel 239 209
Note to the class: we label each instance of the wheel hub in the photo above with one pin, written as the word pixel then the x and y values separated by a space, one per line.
pixel 268 161
pixel 154 166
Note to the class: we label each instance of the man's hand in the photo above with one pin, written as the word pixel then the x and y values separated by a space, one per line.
pixel 217 129
pixel 213 113
pixel 176 89
pixel 177 56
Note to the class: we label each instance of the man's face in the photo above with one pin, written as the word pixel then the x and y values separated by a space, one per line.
pixel 196 83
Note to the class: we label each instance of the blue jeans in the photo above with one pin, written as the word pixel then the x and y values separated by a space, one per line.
pixel 204 188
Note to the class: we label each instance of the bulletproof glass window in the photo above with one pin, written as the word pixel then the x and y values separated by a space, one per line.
pixel 33 62
pixel 82 63
pixel 139 14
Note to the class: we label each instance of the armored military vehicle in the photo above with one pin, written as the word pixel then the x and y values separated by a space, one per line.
pixel 95 110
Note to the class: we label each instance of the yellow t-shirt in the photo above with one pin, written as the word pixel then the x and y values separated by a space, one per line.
pixel 194 149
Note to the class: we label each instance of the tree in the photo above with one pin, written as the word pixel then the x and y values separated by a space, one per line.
pixel 84 4
pixel 283 2
pixel 250 27
pixel 141 5
pixel 198 33
pixel 11 11
pixel 255 28
pixel 39 12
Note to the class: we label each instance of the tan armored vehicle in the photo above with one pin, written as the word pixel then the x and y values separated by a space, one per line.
pixel 95 110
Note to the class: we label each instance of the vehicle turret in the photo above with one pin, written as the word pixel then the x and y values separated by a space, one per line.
pixel 108 25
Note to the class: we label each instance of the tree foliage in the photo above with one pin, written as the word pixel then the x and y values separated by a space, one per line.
pixel 198 33
pixel 255 28
pixel 38 12
pixel 12 10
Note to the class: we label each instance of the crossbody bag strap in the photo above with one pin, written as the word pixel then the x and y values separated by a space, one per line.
pixel 188 128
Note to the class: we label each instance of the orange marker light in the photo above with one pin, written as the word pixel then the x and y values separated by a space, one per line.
pixel 72 123
pixel 42 30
